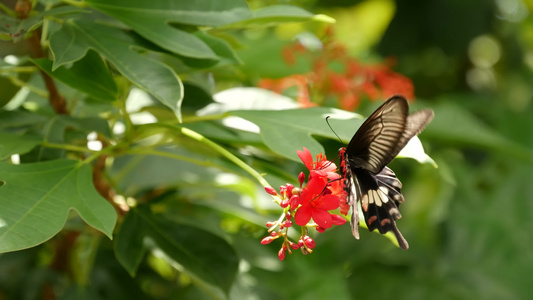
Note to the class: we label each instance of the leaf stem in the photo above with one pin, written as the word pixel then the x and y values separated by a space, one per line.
pixel 19 69
pixel 203 118
pixel 16 81
pixel 66 147
pixel 145 151
pixel 75 3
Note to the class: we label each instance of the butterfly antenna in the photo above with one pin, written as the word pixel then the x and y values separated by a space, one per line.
pixel 340 140
pixel 327 121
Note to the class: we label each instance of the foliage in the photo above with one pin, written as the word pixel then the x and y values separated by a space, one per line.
pixel 136 147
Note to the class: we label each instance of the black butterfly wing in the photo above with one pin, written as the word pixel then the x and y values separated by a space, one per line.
pixel 377 141
pixel 381 137
pixel 353 194
pixel 384 134
pixel 381 196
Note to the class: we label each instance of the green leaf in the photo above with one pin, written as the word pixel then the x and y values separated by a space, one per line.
pixel 221 48
pixel 19 118
pixel 200 253
pixel 286 131
pixel 99 85
pixel 16 29
pixel 152 21
pixel 200 12
pixel 277 14
pixel 11 143
pixel 35 201
pixel 75 38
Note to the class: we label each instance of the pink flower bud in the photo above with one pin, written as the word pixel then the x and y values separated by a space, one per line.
pixel 294 246
pixel 295 201
pixel 288 216
pixel 300 243
pixel 282 190
pixel 301 178
pixel 337 220
pixel 289 188
pixel 287 223
pixel 271 190
pixel 281 253
pixel 274 234
pixel 309 242
pixel 269 224
pixel 267 240
pixel 284 203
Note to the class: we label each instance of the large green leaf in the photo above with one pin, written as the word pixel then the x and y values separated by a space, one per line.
pixel 11 143
pixel 152 20
pixel 35 201
pixel 286 131
pixel 200 253
pixel 99 84
pixel 76 37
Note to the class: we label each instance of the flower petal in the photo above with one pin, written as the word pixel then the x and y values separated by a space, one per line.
pixel 337 220
pixel 306 158
pixel 317 185
pixel 322 218
pixel 302 215
pixel 329 202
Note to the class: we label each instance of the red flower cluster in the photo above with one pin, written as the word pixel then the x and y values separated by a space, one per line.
pixel 345 86
pixel 322 193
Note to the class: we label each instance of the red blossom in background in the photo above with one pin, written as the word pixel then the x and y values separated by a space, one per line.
pixel 313 201
pixel 347 87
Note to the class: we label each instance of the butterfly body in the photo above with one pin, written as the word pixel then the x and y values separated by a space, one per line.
pixel 368 181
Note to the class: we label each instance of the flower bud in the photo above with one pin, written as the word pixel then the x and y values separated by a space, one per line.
pixel 269 224
pixel 267 240
pixel 294 246
pixel 295 201
pixel 301 178
pixel 281 253
pixel 287 223
pixel 309 242
pixel 284 203
pixel 274 234
pixel 320 229
pixel 271 190
pixel 337 220
pixel 289 189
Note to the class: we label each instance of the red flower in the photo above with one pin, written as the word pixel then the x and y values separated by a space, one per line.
pixel 322 166
pixel 315 202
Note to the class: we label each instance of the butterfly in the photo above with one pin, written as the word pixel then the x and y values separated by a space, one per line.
pixel 368 181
